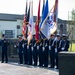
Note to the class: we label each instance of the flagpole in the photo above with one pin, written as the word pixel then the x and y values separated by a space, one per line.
pixel 56 15
pixel 40 34
pixel 24 21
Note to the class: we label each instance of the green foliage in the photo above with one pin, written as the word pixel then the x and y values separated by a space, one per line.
pixel 72 47
pixel 73 16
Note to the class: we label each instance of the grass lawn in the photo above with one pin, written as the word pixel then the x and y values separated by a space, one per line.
pixel 72 47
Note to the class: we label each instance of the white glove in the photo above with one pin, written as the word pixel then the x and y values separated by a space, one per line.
pixel 32 48
pixel 40 44
pixel 55 49
pixel 15 46
pixel 37 47
pixel 27 47
pixel 62 48
pixel 43 48
pixel 49 47
pixel 46 45
pixel 34 45
pixel 23 45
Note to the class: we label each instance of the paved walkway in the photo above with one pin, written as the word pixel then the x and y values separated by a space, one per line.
pixel 17 69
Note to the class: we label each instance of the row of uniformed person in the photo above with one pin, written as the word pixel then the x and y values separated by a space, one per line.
pixel 38 53
pixel 57 44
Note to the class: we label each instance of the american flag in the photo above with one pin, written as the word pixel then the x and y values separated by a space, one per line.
pixel 24 27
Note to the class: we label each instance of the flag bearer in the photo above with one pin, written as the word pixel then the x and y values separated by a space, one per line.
pixel 34 51
pixel 24 46
pixel 40 53
pixel 29 52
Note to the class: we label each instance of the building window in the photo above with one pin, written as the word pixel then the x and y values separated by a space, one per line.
pixel 18 30
pixel 61 28
pixel 9 33
pixel 18 26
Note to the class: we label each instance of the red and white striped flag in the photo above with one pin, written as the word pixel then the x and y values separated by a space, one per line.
pixel 24 22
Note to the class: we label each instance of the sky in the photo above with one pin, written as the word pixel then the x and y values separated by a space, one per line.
pixel 18 7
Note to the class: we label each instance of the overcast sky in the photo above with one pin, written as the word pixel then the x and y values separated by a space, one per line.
pixel 18 7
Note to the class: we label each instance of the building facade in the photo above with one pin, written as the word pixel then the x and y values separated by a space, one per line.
pixel 11 25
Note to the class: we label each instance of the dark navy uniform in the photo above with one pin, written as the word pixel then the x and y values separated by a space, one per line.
pixel 64 43
pixel 57 45
pixel 45 53
pixel 35 52
pixel 24 45
pixel 4 44
pixel 29 54
pixel 40 53
pixel 20 49
pixel 52 52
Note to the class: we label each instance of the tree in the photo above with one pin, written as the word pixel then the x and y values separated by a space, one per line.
pixel 72 23
pixel 73 16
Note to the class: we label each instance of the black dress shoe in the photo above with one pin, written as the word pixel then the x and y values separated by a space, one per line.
pixel 45 66
pixel 29 64
pixel 20 63
pixel 40 65
pixel 25 63
pixel 56 68
pixel 6 62
pixel 51 67
pixel 34 65
pixel 2 62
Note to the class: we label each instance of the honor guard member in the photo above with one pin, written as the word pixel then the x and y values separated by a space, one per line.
pixel 64 43
pixel 4 43
pixel 45 52
pixel 24 46
pixel 20 49
pixel 52 50
pixel 34 49
pixel 40 53
pixel 57 45
pixel 29 52
pixel 38 50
